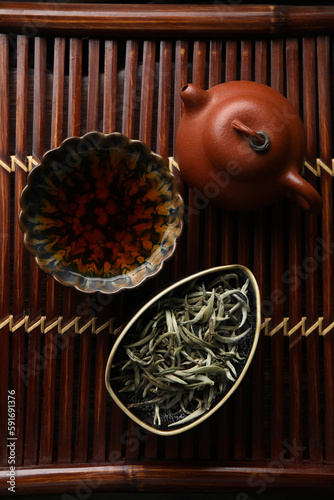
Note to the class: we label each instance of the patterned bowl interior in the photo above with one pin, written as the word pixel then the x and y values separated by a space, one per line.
pixel 101 212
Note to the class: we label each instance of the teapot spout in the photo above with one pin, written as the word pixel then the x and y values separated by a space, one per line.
pixel 193 97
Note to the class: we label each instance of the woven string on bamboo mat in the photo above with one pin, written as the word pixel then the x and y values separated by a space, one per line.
pixel 42 326
pixel 32 162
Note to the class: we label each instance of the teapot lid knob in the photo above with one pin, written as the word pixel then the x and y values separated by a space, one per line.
pixel 259 141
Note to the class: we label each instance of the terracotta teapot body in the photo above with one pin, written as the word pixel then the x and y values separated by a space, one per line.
pixel 242 145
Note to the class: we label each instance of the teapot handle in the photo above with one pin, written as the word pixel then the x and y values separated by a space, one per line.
pixel 302 193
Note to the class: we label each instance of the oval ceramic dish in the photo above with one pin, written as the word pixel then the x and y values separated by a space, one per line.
pixel 101 212
pixel 173 417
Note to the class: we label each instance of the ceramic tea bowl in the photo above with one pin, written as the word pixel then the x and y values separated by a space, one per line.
pixel 187 350
pixel 101 212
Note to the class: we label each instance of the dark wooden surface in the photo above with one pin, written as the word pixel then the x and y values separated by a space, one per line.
pixel 278 429
pixel 172 478
pixel 164 20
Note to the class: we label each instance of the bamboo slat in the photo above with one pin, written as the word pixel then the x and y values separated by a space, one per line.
pixel 147 92
pixel 52 291
pixel 130 82
pixel 211 212
pixel 110 86
pixel 172 478
pixel 311 226
pixel 224 441
pixel 277 255
pixel 75 87
pixel 277 345
pixel 295 253
pixel 208 429
pixel 258 422
pixel 58 92
pixel 83 398
pixel 164 91
pixel 180 79
pixel 85 374
pixel 210 242
pixel 117 423
pixel 165 20
pixel 100 399
pixel 34 368
pixel 195 202
pixel 19 252
pixel 93 85
pixel 5 244
pixel 66 396
pixel 99 446
pixel 117 443
pixel 241 418
pixel 67 342
pixel 49 376
pixel 153 443
pixel 194 216
pixel 323 55
pixel 258 453
pixel 75 118
pixel 116 440
pixel 103 327
pixel 163 121
pixel 49 373
pixel 130 128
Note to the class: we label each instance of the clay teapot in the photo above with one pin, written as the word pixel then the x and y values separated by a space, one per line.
pixel 241 145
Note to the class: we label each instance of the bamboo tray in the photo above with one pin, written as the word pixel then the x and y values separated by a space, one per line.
pixel 66 70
